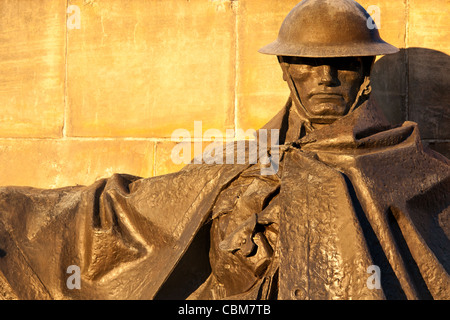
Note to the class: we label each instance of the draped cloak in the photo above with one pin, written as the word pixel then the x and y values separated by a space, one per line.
pixel 358 209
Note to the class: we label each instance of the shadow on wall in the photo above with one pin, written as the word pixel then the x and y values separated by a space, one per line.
pixel 418 80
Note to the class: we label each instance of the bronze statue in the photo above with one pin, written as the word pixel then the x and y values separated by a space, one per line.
pixel 352 194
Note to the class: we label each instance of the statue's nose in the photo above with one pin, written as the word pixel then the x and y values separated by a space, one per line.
pixel 327 75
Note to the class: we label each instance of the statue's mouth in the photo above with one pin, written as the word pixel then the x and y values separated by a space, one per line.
pixel 324 95
pixel 328 98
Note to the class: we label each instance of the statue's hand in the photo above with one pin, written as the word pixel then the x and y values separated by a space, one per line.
pixel 250 245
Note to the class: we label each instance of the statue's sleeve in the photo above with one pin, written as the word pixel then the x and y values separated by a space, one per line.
pixel 120 236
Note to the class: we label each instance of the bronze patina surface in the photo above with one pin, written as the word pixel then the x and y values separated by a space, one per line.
pixel 351 192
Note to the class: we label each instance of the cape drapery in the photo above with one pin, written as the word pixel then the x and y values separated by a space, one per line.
pixel 352 195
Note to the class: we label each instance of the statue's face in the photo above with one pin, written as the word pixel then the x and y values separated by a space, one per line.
pixel 327 86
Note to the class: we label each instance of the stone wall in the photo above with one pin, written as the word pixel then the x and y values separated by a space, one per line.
pixel 78 104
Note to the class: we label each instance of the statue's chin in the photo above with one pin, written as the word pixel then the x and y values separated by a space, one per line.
pixel 328 109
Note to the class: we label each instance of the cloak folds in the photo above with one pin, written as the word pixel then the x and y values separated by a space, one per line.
pixel 355 194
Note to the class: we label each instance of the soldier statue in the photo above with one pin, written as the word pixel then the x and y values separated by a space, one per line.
pixel 357 208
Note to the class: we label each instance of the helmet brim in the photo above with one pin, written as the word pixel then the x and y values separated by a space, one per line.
pixel 323 51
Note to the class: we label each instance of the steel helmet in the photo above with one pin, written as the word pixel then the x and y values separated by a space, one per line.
pixel 328 28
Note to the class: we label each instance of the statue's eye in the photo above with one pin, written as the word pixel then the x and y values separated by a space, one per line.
pixel 351 64
pixel 299 70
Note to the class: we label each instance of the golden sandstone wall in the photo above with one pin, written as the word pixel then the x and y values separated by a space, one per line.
pixel 81 104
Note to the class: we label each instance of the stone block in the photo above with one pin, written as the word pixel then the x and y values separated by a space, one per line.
pixel 389 86
pixel 32 68
pixel 392 20
pixel 261 91
pixel 429 25
pixel 429 67
pixel 53 163
pixel 429 96
pixel 146 68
